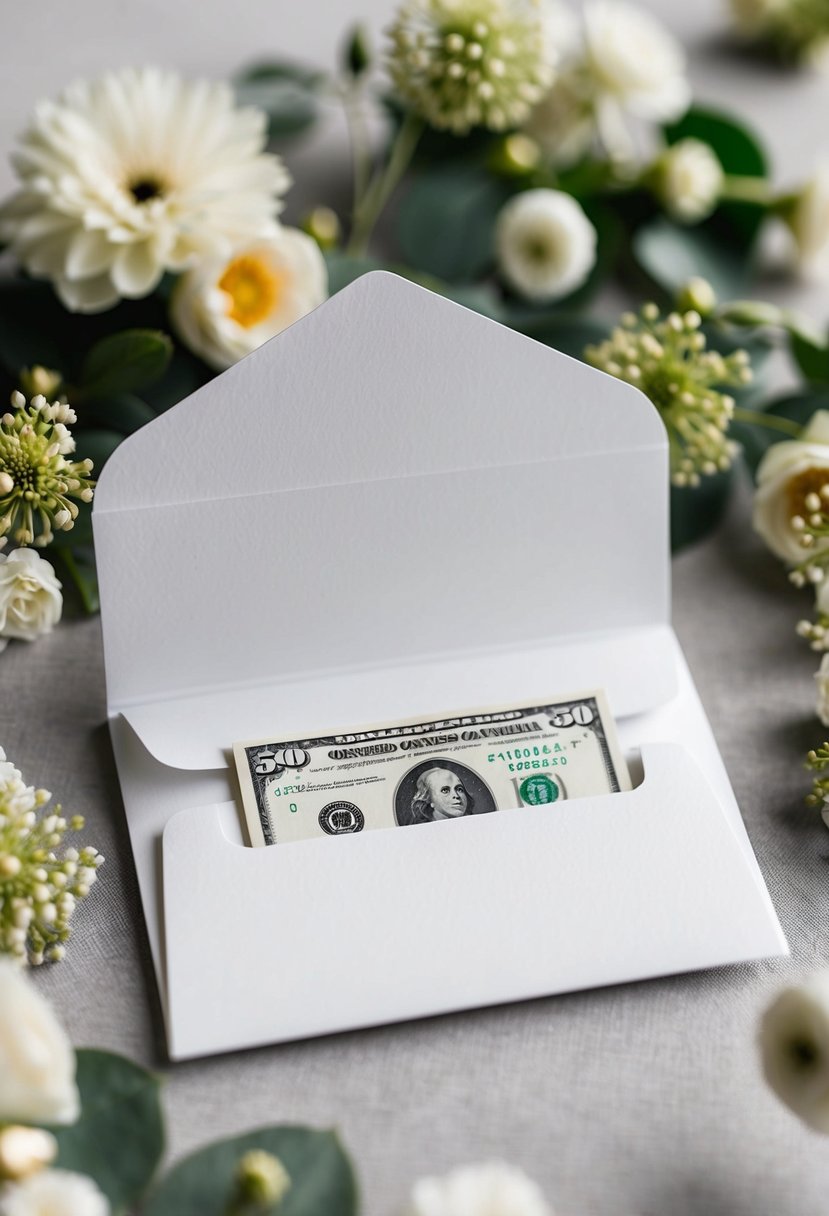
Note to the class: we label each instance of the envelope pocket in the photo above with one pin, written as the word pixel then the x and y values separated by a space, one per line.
pixel 267 945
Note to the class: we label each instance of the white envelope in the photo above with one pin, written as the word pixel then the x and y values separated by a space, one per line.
pixel 398 507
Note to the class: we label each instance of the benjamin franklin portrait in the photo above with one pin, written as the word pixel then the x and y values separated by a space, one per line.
pixel 439 789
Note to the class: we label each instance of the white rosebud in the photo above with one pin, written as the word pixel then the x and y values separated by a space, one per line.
pixel 25 1150
pixel 30 595
pixel 794 1045
pixel 54 1193
pixel 545 244
pixel 808 221
pixel 688 179
pixel 37 1063
pixel 787 473
pixel 492 1189
pixel 223 309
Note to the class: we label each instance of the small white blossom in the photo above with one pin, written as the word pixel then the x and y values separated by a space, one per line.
pixel 492 1189
pixel 794 1045
pixel 133 174
pixel 54 1193
pixel 30 596
pixel 545 244
pixel 688 179
pixel 37 1063
pixel 223 309
pixel 25 1150
pixel 808 221
pixel 787 474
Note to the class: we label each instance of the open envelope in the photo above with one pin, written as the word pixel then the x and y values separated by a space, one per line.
pixel 397 508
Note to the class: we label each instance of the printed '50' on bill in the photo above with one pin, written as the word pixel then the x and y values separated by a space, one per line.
pixel 423 771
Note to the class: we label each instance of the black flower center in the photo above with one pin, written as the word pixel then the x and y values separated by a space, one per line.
pixel 144 189
pixel 803 1053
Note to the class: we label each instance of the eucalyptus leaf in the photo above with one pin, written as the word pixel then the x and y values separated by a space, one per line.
pixel 322 1181
pixel 671 255
pixel 287 92
pixel 343 270
pixel 446 222
pixel 125 362
pixel 570 335
pixel 119 1137
pixel 122 412
pixel 810 356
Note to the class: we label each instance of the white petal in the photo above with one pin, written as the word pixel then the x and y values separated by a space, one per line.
pixel 135 271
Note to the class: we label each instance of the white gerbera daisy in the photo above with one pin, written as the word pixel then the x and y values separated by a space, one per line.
pixel 133 174
pixel 223 309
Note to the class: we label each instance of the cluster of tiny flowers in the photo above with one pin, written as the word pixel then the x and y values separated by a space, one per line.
pixel 37 482
pixel 38 889
pixel 666 357
pixel 818 762
pixel 471 63
pixel 813 530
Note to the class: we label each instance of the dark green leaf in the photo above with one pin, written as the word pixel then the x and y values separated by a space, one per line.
pixel 122 412
pixel 671 255
pixel 446 222
pixel 125 362
pixel 119 1137
pixel 696 511
pixel 32 329
pixel 755 439
pixel 287 92
pixel 811 357
pixel 96 445
pixel 570 335
pixel 185 373
pixel 343 270
pixel 322 1181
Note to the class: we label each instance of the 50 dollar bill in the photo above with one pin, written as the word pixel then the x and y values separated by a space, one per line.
pixel 424 771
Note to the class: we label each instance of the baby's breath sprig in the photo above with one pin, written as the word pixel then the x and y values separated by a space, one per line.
pixel 667 357
pixel 37 482
pixel 817 760
pixel 38 889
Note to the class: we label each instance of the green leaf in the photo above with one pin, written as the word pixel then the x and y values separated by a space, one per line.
pixel 343 270
pixel 740 153
pixel 446 222
pixel 811 357
pixel 78 565
pixel 123 412
pixel 287 92
pixel 96 445
pixel 119 1137
pixel 322 1181
pixel 125 362
pixel 32 326
pixel 671 255
pixel 570 335
pixel 756 439
pixel 696 511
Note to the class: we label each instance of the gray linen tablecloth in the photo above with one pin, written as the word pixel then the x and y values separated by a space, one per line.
pixel 640 1099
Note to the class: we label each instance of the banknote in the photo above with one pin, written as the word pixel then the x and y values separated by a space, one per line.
pixel 427 770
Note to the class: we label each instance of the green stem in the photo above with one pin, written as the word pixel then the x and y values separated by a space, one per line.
pixel 746 190
pixel 380 189
pixel 360 156
pixel 771 421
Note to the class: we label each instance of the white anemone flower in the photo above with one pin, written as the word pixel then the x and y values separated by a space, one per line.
pixel 545 244
pixel 491 1189
pixel 637 66
pixel 794 1046
pixel 133 174
pixel 224 309
pixel 787 475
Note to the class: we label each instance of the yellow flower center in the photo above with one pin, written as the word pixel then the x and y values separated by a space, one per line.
pixel 798 488
pixel 252 289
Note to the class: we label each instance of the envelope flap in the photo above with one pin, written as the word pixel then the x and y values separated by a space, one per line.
pixel 384 380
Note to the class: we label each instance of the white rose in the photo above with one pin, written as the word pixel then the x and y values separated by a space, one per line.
pixel 794 1045
pixel 563 123
pixel 788 472
pixel 225 309
pixel 37 1063
pixel 545 244
pixel 688 179
pixel 636 64
pixel 54 1193
pixel 492 1189
pixel 30 597
pixel 808 221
